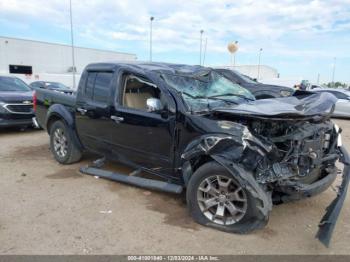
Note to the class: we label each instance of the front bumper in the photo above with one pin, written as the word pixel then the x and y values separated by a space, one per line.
pixel 329 220
pixel 15 122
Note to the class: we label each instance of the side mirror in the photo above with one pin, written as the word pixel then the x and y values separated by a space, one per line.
pixel 153 104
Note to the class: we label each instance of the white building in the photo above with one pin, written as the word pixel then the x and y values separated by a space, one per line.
pixel 256 71
pixel 34 60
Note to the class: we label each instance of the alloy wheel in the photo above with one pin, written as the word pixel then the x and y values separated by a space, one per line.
pixel 222 200
pixel 60 143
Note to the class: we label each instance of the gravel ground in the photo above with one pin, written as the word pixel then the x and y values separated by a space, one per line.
pixel 48 208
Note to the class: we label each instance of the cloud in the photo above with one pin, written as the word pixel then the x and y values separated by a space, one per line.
pixel 285 28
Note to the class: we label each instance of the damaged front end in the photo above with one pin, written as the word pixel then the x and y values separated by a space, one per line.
pixel 276 160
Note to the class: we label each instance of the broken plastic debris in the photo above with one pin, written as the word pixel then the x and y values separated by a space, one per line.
pixel 97 177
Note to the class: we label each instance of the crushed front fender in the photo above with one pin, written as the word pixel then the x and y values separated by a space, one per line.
pixel 329 220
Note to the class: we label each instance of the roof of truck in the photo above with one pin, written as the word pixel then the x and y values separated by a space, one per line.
pixel 147 66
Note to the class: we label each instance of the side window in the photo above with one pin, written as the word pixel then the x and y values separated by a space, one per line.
pixel 89 88
pixel 339 95
pixel 137 91
pixel 102 87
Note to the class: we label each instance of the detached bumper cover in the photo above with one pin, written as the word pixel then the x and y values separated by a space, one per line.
pixel 329 220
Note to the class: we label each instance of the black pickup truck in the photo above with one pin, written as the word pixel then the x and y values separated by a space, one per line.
pixel 193 129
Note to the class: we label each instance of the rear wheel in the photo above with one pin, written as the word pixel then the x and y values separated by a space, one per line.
pixel 216 199
pixel 62 145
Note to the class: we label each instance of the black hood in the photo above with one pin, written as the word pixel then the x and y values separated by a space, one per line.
pixel 308 105
pixel 15 96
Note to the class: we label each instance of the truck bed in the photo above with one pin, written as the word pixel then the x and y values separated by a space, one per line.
pixel 46 98
pixel 56 97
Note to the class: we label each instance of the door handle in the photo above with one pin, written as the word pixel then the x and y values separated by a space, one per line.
pixel 82 110
pixel 117 119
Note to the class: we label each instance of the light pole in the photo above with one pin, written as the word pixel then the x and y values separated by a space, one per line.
pixel 72 41
pixel 333 72
pixel 234 56
pixel 150 38
pixel 260 50
pixel 205 50
pixel 200 47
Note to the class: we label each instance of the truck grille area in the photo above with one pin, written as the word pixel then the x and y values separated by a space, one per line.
pixel 20 108
pixel 300 149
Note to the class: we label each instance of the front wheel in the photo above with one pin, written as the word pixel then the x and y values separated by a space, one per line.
pixel 216 199
pixel 62 145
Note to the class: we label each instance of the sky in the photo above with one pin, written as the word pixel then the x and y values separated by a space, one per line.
pixel 299 38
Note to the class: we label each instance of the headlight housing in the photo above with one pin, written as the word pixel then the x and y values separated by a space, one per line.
pixel 2 108
pixel 285 93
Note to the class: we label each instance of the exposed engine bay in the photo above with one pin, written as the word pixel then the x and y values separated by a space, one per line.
pixel 299 150
pixel 279 160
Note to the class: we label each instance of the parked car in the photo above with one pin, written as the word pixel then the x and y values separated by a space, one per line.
pixel 259 90
pixel 342 106
pixel 16 103
pixel 51 86
pixel 195 130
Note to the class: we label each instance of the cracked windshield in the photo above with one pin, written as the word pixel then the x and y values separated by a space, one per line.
pixel 208 90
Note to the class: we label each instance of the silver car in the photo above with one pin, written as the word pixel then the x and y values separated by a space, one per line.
pixel 342 107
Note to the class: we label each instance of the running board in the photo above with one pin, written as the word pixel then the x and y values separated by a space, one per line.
pixel 133 180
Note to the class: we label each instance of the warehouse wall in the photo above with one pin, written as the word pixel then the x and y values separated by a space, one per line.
pixel 51 62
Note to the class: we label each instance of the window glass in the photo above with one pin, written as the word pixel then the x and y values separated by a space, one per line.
pixel 13 84
pixel 90 85
pixel 207 89
pixel 101 89
pixel 339 95
pixel 137 91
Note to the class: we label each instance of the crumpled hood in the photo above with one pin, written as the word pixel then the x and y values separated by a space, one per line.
pixel 307 105
pixel 13 96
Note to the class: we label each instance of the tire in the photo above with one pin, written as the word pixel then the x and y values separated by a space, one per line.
pixel 243 222
pixel 62 145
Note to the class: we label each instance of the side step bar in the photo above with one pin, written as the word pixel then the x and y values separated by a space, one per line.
pixel 133 180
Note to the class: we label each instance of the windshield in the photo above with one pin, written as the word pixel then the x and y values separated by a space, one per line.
pixel 248 79
pixel 13 84
pixel 207 90
pixel 56 85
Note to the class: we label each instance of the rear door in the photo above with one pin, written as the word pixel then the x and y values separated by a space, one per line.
pixel 93 110
pixel 140 135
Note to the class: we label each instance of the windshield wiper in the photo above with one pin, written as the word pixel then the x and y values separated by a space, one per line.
pixel 232 94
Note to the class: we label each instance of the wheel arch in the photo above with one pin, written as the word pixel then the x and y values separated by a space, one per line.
pixel 226 151
pixel 59 112
pixel 201 149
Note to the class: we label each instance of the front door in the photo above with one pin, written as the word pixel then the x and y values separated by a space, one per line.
pixel 143 135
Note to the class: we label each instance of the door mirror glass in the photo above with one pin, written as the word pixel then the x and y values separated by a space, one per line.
pixel 153 104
